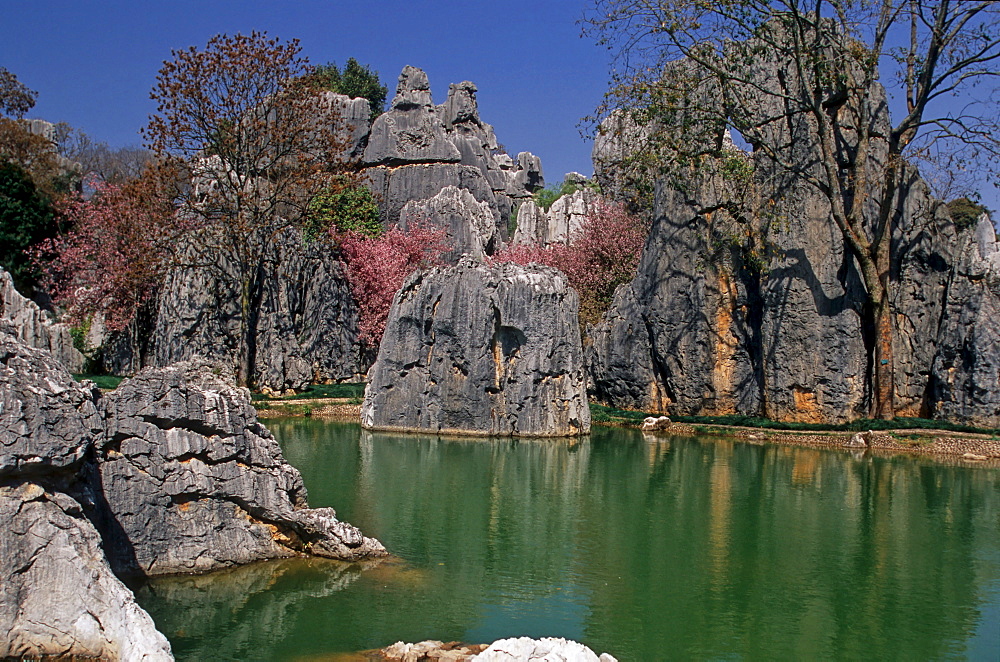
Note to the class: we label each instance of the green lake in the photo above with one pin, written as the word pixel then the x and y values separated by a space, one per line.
pixel 645 548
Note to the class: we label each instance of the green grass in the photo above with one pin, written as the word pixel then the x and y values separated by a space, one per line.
pixel 602 414
pixel 354 391
pixel 104 382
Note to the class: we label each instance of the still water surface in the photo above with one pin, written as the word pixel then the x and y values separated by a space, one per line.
pixel 673 548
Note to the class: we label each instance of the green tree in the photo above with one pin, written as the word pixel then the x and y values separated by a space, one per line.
pixel 27 217
pixel 356 81
pixel 15 97
pixel 687 69
pixel 344 206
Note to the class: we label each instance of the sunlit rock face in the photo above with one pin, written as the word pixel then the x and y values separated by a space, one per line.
pixel 481 350
pixel 193 482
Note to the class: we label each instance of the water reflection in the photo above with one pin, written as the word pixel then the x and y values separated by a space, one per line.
pixel 646 547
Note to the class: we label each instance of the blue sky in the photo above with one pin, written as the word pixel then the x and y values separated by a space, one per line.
pixel 93 63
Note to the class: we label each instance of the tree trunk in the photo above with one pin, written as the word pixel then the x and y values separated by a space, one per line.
pixel 883 382
pixel 244 362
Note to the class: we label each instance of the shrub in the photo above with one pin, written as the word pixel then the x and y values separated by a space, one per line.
pixel 965 213
pixel 601 257
pixel 27 217
pixel 115 254
pixel 344 207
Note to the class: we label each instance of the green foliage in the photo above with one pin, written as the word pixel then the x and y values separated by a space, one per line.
pixel 26 218
pixel 104 382
pixel 356 81
pixel 546 196
pixel 965 213
pixel 344 207
pixel 352 391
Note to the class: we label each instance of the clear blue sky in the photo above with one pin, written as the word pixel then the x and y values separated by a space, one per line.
pixel 94 62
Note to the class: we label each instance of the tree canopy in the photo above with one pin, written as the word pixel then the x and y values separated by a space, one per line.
pixel 801 82
pixel 356 81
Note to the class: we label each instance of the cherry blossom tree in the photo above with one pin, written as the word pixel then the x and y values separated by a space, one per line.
pixel 378 266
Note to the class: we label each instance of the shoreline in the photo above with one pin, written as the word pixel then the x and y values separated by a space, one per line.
pixel 964 449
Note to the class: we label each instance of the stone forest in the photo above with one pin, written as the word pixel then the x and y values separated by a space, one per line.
pixel 632 412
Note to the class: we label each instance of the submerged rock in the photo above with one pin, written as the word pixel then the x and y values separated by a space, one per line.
pixel 191 481
pixel 473 349
pixel 58 596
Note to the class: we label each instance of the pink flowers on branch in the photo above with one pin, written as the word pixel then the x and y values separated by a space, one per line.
pixel 114 255
pixel 378 266
pixel 602 256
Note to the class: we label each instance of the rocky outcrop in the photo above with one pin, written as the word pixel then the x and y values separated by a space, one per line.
pixel 560 224
pixel 680 336
pixel 546 649
pixel 192 482
pixel 417 149
pixel 170 473
pixel 48 421
pixel 965 384
pixel 738 310
pixel 471 225
pixel 58 596
pixel 35 327
pixel 481 350
pixel 306 321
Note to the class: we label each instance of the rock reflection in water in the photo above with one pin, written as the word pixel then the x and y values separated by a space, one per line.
pixel 230 612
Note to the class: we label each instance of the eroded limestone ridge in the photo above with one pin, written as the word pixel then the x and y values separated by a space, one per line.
pixel 486 350
pixel 171 473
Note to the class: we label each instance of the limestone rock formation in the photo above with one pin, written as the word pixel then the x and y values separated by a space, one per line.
pixel 481 350
pixel 560 224
pixel 965 384
pixel 306 324
pixel 470 224
pixel 58 596
pixel 192 482
pixel 716 324
pixel 410 132
pixel 35 327
pixel 48 421
pixel 546 649
pixel 417 149
pixel 170 473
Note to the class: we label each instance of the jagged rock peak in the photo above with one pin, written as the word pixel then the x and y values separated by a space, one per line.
pixel 413 89
pixel 461 105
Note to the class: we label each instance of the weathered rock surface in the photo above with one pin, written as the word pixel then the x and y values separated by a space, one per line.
pixel 679 337
pixel 418 149
pixel 965 384
pixel 546 649
pixel 58 596
pixel 470 224
pixel 35 327
pixel 170 473
pixel 560 224
pixel 709 326
pixel 306 327
pixel 48 421
pixel 481 350
pixel 192 482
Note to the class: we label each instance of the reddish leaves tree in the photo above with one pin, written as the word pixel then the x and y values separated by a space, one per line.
pixel 111 260
pixel 378 266
pixel 603 255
